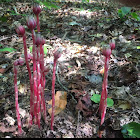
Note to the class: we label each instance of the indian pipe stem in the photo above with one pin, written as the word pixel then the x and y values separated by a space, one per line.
pixel 103 101
pixel 34 89
pixel 43 105
pixel 16 101
pixel 38 86
pixel 53 94
pixel 30 77
pixel 38 24
pixel 34 76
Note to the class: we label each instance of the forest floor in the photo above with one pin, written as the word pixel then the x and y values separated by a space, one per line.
pixel 81 30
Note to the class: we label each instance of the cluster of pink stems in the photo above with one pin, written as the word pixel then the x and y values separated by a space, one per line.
pixel 103 101
pixel 37 79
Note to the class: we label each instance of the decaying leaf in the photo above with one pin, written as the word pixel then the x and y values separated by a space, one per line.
pixel 9 119
pixel 22 89
pixel 4 129
pixel 124 105
pixel 60 102
pixel 84 107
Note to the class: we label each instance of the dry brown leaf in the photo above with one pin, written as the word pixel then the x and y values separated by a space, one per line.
pixel 22 89
pixel 60 102
pixel 124 105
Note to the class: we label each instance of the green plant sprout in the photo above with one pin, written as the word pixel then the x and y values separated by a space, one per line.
pixel 131 130
pixel 124 12
pixel 96 98
pixel 45 49
pixel 6 49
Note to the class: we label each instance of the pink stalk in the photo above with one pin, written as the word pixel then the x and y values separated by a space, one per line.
pixel 53 94
pixel 39 87
pixel 35 94
pixel 21 31
pixel 103 101
pixel 57 54
pixel 31 23
pixel 16 63
pixel 36 11
pixel 43 105
pixel 38 24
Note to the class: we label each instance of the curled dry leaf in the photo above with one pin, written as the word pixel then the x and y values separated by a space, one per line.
pixel 60 102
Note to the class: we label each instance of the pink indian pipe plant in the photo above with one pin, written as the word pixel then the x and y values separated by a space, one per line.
pixel 21 32
pixel 38 42
pixel 43 81
pixel 57 54
pixel 31 23
pixel 36 11
pixel 103 101
pixel 16 63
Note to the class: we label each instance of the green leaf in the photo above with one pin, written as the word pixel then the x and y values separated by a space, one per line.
pixel 47 4
pixel 31 49
pixel 3 19
pixel 131 130
pixel 110 102
pixel 125 10
pixel 96 98
pixel 45 50
pixel 135 16
pixel 138 47
pixel 85 1
pixel 7 50
pixel 120 13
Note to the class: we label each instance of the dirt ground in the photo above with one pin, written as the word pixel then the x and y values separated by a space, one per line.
pixel 81 30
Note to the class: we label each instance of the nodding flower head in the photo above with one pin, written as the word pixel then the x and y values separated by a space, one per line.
pixel 31 23
pixel 38 39
pixel 20 30
pixel 57 53
pixel 36 9
pixel 107 52
pixel 112 45
pixel 19 61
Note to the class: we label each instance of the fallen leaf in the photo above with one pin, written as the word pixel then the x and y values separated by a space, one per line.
pixel 4 129
pixel 2 70
pixel 9 119
pixel 60 102
pixel 83 107
pixel 22 89
pixel 124 105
